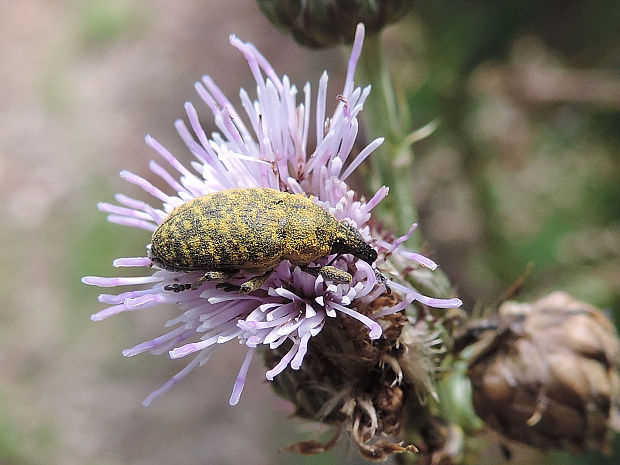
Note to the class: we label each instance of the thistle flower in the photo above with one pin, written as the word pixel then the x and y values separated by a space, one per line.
pixel 270 146
pixel 547 376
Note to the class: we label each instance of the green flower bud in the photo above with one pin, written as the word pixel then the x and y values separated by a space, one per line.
pixel 322 23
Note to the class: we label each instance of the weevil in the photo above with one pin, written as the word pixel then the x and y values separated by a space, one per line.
pixel 253 230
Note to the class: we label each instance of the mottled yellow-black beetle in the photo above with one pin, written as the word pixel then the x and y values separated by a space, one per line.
pixel 253 229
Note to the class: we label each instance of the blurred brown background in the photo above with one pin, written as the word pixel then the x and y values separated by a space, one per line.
pixel 523 168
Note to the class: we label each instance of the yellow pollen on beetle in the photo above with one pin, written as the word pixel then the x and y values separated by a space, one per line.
pixel 244 229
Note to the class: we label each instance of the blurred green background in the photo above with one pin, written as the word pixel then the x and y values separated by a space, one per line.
pixel 524 167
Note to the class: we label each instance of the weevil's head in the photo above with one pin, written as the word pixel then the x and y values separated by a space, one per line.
pixel 349 240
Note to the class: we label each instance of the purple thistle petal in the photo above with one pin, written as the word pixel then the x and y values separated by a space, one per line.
pixel 131 261
pixel 283 363
pixel 301 352
pixel 167 177
pixel 146 186
pixel 335 166
pixel 278 342
pixel 392 247
pixel 356 51
pixel 320 108
pixel 113 282
pixel 199 360
pixel 130 305
pixel 371 279
pixel 165 340
pixel 180 352
pixel 280 291
pixel 230 131
pixel 395 308
pixel 431 302
pixel 310 311
pixel 166 155
pixel 202 151
pixel 361 157
pixel 256 61
pixel 418 258
pixel 289 308
pixel 131 203
pixel 301 156
pixel 348 141
pixel 219 335
pixel 360 103
pixel 120 298
pixel 240 382
pixel 123 211
pixel 133 222
pixel 312 325
pixel 439 303
pixel 253 341
pixel 221 99
pixel 375 328
pixel 224 314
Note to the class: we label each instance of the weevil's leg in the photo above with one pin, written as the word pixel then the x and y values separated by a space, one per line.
pixel 254 283
pixel 313 270
pixel 176 287
pixel 381 279
pixel 329 273
pixel 335 275
pixel 213 276
pixel 208 276
pixel 227 287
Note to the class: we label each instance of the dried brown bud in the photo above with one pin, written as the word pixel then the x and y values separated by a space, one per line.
pixel 547 376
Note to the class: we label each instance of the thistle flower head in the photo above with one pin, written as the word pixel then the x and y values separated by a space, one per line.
pixel 268 145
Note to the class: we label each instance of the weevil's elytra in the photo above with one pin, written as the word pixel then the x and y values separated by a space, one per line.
pixel 252 229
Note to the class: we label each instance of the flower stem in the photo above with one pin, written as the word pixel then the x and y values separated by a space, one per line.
pixel 387 115
pixel 389 118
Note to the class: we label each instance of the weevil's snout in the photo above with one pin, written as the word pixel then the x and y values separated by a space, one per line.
pixel 351 241
pixel 370 255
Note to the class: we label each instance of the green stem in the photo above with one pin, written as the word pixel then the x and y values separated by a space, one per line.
pixel 383 97
pixel 386 116
pixel 391 164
